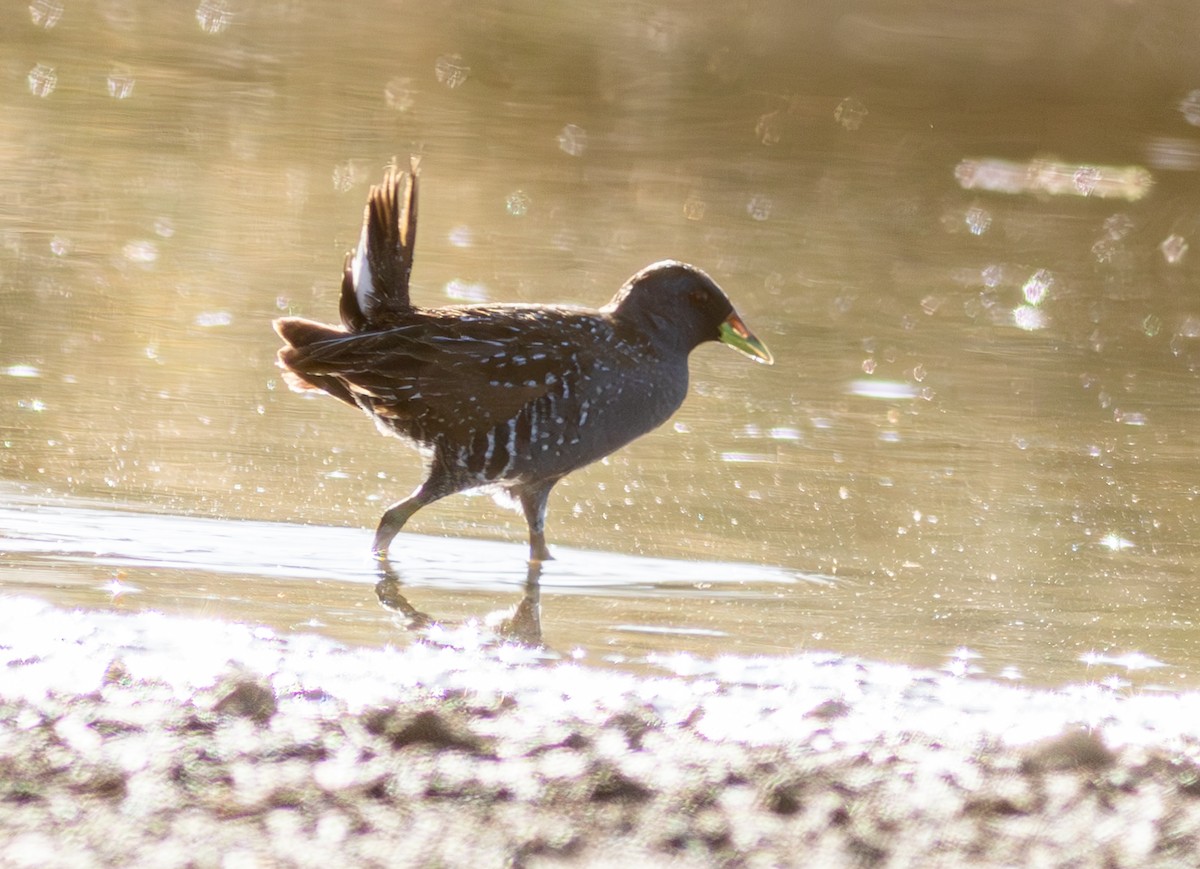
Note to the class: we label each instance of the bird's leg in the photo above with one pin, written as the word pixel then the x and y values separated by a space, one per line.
pixel 533 502
pixel 393 520
pixel 437 486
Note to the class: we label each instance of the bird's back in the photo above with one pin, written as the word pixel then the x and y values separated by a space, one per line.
pixel 507 392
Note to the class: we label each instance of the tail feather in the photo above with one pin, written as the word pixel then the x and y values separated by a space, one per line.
pixel 293 358
pixel 315 350
pixel 376 275
pixel 298 332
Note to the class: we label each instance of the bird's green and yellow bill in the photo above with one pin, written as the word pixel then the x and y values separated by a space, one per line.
pixel 735 333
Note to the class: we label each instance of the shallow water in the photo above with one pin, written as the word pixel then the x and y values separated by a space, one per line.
pixel 594 607
pixel 967 246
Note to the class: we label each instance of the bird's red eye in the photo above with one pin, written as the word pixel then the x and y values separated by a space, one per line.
pixel 697 297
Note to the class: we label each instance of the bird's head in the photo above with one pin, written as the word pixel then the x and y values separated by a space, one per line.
pixel 678 306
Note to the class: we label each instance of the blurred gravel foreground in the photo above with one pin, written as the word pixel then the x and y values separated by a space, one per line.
pixel 155 741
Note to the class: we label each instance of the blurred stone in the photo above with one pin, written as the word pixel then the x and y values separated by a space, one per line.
pixel 248 698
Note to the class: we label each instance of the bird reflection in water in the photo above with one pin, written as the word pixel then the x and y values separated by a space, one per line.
pixel 520 624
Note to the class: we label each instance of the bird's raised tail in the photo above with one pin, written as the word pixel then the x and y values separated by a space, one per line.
pixel 375 279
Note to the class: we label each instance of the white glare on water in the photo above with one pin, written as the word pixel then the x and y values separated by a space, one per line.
pixel 42 80
pixel 1173 248
pixel 458 290
pixel 120 84
pixel 451 70
pixel 1037 287
pixel 1028 318
pixel 850 113
pixel 885 389
pixel 759 207
pixel 45 13
pixel 1189 107
pixel 213 16
pixel 978 220
pixel 694 207
pixel 1047 176
pixel 517 203
pixel 399 94
pixel 141 252
pixel 573 140
pixel 213 319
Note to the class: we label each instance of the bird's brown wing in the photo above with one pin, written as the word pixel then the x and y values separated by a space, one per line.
pixel 463 372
